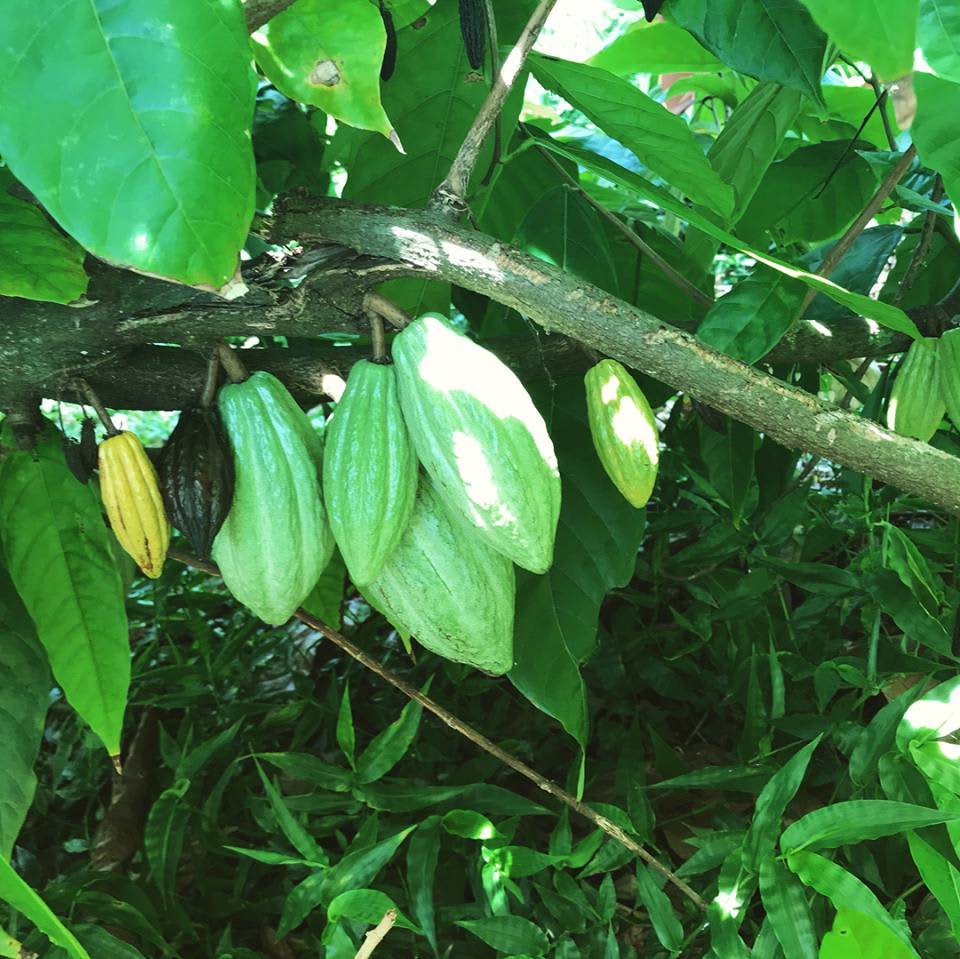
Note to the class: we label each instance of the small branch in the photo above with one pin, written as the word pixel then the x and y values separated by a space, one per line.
pixel 888 131
pixel 467 731
pixel 379 348
pixel 375 936
pixel 839 249
pixel 210 381
pixel 88 394
pixel 923 245
pixel 232 363
pixel 675 277
pixel 393 314
pixel 450 197
pixel 258 12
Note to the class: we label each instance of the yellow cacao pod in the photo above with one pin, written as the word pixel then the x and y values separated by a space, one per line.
pixel 624 430
pixel 131 495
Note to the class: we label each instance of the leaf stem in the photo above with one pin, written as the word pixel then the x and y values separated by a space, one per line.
pixel 231 363
pixel 86 390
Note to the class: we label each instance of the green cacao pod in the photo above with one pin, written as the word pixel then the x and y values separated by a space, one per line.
pixel 473 29
pixel 624 430
pixel 369 470
pixel 275 541
pixel 948 369
pixel 445 586
pixel 915 406
pixel 196 476
pixel 481 439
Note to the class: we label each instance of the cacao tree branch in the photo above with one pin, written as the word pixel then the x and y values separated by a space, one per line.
pixel 466 730
pixel 450 197
pixel 258 12
pixel 565 304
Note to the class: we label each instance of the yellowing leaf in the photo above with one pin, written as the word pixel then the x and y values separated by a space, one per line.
pixel 328 53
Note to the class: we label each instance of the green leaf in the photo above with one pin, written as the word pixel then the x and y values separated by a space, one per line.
pixel 847 823
pixel 899 603
pixel 10 948
pixel 296 834
pixel 769 41
pixel 389 747
pixel 856 936
pixel 173 195
pixel 328 54
pixel 654 48
pixel 664 920
pixel 879 31
pixel 468 824
pixel 309 768
pixel 807 197
pixel 58 556
pixel 164 835
pixel 663 142
pixel 19 896
pixel 423 851
pixel 24 693
pixel 509 934
pixel 942 878
pixel 785 901
pixel 761 838
pixel 938 37
pixel 346 736
pixel 519 862
pixel 934 716
pixel 269 858
pixel 934 130
pixel 326 597
pixel 36 260
pixel 367 906
pixel 598 536
pixel 750 320
pixel 884 313
pixel 844 890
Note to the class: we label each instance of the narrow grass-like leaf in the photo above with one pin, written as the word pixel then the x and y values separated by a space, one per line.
pixel 513 935
pixel 346 735
pixel 390 746
pixel 422 854
pixel 660 910
pixel 164 835
pixel 785 901
pixel 297 836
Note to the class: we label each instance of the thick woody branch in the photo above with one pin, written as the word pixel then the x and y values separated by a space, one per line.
pixel 564 304
pixel 258 12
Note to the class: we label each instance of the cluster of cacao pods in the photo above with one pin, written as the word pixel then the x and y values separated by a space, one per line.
pixel 927 386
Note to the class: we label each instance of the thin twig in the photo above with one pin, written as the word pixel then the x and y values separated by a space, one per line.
pixel 86 390
pixel 923 245
pixel 232 363
pixel 450 197
pixel 210 382
pixel 678 279
pixel 839 248
pixel 379 348
pixel 476 737
pixel 887 129
pixel 880 101
pixel 393 314
pixel 375 936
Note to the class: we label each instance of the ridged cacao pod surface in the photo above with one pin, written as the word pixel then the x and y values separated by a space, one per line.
pixel 369 470
pixel 948 370
pixel 473 28
pixel 131 496
pixel 275 541
pixel 446 587
pixel 481 439
pixel 196 476
pixel 624 430
pixel 915 406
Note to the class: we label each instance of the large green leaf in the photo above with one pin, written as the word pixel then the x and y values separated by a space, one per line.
pixel 328 53
pixel 662 141
pixel 24 692
pixel 879 31
pixel 941 877
pixel 938 37
pixel 848 823
pixel 511 934
pixel 785 901
pixel 844 890
pixel 144 153
pixel 884 313
pixel 59 558
pixel 654 48
pixel 770 41
pixel 934 130
pixel 597 541
pixel 36 260
pixel 19 896
pixel 365 906
pixel 858 936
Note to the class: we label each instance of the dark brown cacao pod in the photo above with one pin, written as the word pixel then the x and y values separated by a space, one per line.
pixel 473 26
pixel 196 477
pixel 390 50
pixel 82 457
